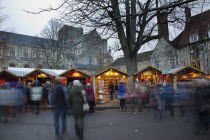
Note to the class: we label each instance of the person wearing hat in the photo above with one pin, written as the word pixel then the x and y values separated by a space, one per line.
pixel 76 101
pixel 91 98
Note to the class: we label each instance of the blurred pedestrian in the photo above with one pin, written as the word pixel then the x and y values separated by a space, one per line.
pixel 48 88
pixel 121 95
pixel 158 102
pixel 91 97
pixel 28 97
pixel 20 90
pixel 201 107
pixel 169 98
pixel 76 101
pixel 59 103
pixel 36 96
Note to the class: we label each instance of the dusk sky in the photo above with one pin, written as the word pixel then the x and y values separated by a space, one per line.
pixel 19 21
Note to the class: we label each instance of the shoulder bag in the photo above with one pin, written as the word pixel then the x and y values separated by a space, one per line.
pixel 86 106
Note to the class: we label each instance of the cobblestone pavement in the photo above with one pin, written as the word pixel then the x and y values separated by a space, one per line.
pixel 102 125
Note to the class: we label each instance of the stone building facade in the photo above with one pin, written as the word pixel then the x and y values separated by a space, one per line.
pixel 75 47
pixel 190 47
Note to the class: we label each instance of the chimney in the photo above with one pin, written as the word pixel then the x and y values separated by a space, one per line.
pixel 187 14
pixel 163 25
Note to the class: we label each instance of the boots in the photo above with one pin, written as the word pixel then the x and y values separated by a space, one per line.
pixel 80 133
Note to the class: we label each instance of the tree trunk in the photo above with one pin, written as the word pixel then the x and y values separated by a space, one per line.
pixel 131 65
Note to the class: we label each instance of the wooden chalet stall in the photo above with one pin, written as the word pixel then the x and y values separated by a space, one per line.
pixel 149 74
pixel 75 74
pixel 8 76
pixel 102 81
pixel 39 75
pixel 184 73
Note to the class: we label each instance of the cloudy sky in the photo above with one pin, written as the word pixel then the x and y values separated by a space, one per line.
pixel 19 21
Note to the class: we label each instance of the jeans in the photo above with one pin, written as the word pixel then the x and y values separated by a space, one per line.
pixel 59 113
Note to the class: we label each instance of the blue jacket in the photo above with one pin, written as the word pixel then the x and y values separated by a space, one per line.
pixel 122 90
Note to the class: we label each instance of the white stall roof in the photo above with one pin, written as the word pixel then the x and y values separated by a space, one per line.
pixel 19 71
pixel 53 72
pixel 23 71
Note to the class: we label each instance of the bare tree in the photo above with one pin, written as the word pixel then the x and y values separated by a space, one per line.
pixel 135 22
pixel 50 51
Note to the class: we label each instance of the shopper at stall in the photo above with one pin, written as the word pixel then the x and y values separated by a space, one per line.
pixel 111 90
pixel 49 89
pixel 91 98
pixel 45 94
pixel 116 89
pixel 168 93
pixel 76 101
pixel 28 97
pixel 20 91
pixel 36 96
pixel 158 102
pixel 121 95
pixel 59 103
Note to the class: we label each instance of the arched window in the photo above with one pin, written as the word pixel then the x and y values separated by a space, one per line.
pixel 26 66
pixel 11 65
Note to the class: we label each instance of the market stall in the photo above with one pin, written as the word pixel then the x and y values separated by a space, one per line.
pixel 7 76
pixel 75 74
pixel 104 79
pixel 184 73
pixel 149 75
pixel 39 75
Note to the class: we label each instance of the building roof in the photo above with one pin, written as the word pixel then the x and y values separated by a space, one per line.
pixel 145 56
pixel 147 68
pixel 86 66
pixel 23 40
pixel 198 24
pixel 65 73
pixel 185 70
pixel 112 69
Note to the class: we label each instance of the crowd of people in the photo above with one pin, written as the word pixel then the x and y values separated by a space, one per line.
pixel 191 96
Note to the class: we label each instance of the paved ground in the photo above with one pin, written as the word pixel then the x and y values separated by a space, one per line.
pixel 102 125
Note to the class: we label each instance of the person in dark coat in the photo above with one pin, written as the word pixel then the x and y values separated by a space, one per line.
pixel 76 101
pixel 59 102
pixel 20 96
pixel 111 90
pixel 28 97
pixel 201 107
pixel 91 98
pixel 168 94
